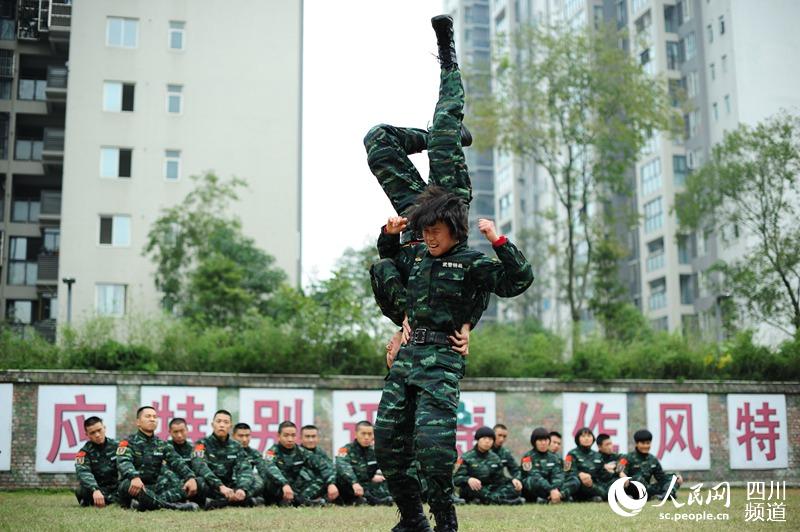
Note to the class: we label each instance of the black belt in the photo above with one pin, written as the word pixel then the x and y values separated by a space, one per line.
pixel 422 336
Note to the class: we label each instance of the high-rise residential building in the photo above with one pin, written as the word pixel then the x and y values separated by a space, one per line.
pixel 157 92
pixel 472 35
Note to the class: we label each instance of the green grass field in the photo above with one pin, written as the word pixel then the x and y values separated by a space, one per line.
pixel 47 510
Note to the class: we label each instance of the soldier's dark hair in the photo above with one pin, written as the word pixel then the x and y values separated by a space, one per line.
pixel 221 411
pixel 142 409
pixel 89 421
pixel 581 432
pixel 241 426
pixel 642 435
pixel 363 423
pixel 436 204
pixel 309 427
pixel 499 426
pixel 177 421
pixel 601 438
pixel 556 434
pixel 284 425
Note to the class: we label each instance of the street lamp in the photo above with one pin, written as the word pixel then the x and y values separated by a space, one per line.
pixel 69 281
pixel 719 300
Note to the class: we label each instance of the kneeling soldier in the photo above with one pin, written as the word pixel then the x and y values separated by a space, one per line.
pixel 144 462
pixel 357 470
pixel 224 465
pixel 479 474
pixel 641 466
pixel 542 472
pixel 96 466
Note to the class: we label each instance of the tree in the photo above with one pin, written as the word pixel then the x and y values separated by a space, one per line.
pixel 206 268
pixel 751 184
pixel 580 108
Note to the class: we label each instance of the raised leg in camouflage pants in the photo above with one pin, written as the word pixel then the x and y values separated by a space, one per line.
pixel 168 489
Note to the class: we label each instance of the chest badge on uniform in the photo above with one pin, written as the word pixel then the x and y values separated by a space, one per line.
pixel 527 464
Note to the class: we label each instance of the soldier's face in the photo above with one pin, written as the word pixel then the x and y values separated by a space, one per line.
pixel 607 447
pixel 96 433
pixel 365 436
pixel 221 425
pixel 178 433
pixel 147 421
pixel 438 239
pixel 542 445
pixel 485 443
pixel 586 439
pixel 310 439
pixel 242 436
pixel 287 437
pixel 643 446
pixel 555 444
pixel 500 436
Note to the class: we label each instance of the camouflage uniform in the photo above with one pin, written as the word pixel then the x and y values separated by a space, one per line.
pixel 421 393
pixel 96 468
pixel 151 458
pixel 357 464
pixel 319 453
pixel 222 463
pixel 184 450
pixel 541 473
pixel 643 467
pixel 604 478
pixel 487 467
pixel 306 473
pixel 583 460
pixel 509 464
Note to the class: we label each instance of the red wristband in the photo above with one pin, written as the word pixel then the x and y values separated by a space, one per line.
pixel 499 242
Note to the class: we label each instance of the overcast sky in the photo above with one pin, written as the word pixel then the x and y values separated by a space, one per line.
pixel 365 62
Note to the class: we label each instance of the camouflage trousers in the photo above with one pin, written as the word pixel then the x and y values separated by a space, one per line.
pixel 417 419
pixel 388 148
pixel 167 488
pixel 501 493
pixel 539 492
pixel 306 486
pixel 373 491
pixel 576 491
pixel 654 490
pixel 85 495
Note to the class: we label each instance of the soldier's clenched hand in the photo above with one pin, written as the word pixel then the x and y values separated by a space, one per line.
pixel 358 491
pixel 517 484
pixel 486 227
pixel 555 496
pixel 459 342
pixel 288 494
pixel 136 486
pixel 227 492
pixel 333 492
pixel 98 498
pixel 396 225
pixel 190 487
pixel 239 495
pixel 474 484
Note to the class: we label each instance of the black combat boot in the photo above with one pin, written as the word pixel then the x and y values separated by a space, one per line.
pixel 446 520
pixel 215 504
pixel 443 26
pixel 412 517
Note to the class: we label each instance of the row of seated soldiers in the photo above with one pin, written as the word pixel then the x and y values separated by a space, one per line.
pixel 489 474
pixel 144 472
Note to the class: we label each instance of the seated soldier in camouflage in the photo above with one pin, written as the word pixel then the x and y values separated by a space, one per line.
pixel 309 437
pixel 144 462
pixel 224 466
pixel 178 438
pixel 610 471
pixel 303 479
pixel 96 466
pixel 642 466
pixel 357 473
pixel 480 476
pixel 582 466
pixel 555 443
pixel 241 433
pixel 542 471
pixel 499 448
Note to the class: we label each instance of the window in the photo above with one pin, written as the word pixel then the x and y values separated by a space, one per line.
pixel 691 84
pixel 722 25
pixel 660 324
pixel 122 32
pixel 710 33
pixel 686 248
pixel 176 34
pixel 32 89
pixel 52 240
pixel 23 268
pixel 174 99
pixel 115 230
pixel 658 294
pixel 687 10
pixel 651 177
pixel 25 210
pixel 20 311
pixel 715 110
pixel 28 149
pixel 110 300
pixel 172 165
pixel 117 96
pixel 673 55
pixel 671 21
pixel 679 170
pixel 655 255
pixel 727 104
pixel 653 215
pixel 692 121
pixel 648 65
pixel 115 162
pixel 689 47
pixel 688 289
pixel 713 71
pixel 724 63
pixel 650 144
pixel 504 206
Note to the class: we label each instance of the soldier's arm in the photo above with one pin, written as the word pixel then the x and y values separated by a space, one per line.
pixel 243 472
pixel 176 463
pixel 201 469
pixel 83 470
pixel 513 466
pixel 461 476
pixel 507 276
pixel 344 467
pixel 322 468
pixel 271 471
pixel 125 466
pixel 388 289
pixel 658 472
pixel 557 481
pixel 479 305
pixel 403 256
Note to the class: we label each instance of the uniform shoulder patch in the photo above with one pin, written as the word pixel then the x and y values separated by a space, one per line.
pixel 527 464
pixel 122 447
pixel 458 463
pixel 269 455
pixel 80 457
pixel 568 462
pixel 342 452
pixel 199 450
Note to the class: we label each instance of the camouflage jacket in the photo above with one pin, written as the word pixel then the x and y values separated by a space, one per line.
pixel 486 467
pixel 583 460
pixel 184 451
pixel 266 470
pixel 355 463
pixel 143 456
pixel 541 471
pixel 508 461
pixel 440 291
pixel 322 456
pixel 296 462
pixel 643 467
pixel 603 476
pixel 222 462
pixel 96 465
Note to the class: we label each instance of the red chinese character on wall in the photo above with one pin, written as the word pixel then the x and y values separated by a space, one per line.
pixel 68 426
pixel 369 411
pixel 465 432
pixel 188 410
pixel 268 413
pixel 749 422
pixel 675 419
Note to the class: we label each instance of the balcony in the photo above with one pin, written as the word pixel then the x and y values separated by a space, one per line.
pixel 50 207
pixel 56 90
pixel 53 152
pixel 47 269
pixel 60 21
